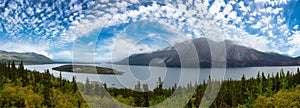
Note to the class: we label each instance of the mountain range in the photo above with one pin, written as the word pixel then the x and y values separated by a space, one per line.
pixel 197 51
pixel 27 58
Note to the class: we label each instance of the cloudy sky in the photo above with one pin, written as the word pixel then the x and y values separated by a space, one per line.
pixel 104 30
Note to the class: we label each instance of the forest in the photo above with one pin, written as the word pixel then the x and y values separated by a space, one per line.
pixel 20 87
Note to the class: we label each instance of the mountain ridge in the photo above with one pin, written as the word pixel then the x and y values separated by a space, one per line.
pixel 26 57
pixel 237 55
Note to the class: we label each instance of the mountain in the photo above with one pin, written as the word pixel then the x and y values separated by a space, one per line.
pixel 183 55
pixel 28 58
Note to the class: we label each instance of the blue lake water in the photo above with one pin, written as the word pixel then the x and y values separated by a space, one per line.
pixel 169 75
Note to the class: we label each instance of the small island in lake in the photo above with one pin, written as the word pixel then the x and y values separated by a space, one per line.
pixel 87 69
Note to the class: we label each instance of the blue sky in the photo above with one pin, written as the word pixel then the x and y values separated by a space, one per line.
pixel 108 30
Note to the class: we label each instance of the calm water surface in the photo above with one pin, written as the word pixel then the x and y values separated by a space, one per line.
pixel 169 75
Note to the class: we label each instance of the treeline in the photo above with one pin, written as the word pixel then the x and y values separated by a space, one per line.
pixel 277 90
pixel 141 96
pixel 244 93
pixel 20 87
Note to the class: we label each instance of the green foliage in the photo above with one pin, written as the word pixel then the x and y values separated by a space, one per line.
pixel 283 98
pixel 23 88
pixel 87 88
pixel 255 92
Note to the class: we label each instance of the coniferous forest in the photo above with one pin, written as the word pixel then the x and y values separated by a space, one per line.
pixel 20 87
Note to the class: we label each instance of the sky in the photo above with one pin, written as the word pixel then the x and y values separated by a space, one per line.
pixel 105 30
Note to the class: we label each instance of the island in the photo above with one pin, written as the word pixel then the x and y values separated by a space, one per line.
pixel 87 69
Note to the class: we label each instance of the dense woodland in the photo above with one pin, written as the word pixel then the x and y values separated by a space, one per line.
pixel 20 87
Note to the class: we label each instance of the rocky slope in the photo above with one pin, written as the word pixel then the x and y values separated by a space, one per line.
pixel 236 55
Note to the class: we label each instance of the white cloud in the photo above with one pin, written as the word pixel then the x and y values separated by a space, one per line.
pixel 261 18
pixel 152 34
pixel 277 10
pixel 85 28
pixel 90 44
pixel 48 19
pixel 294 40
pixel 295 27
pixel 119 48
pixel 129 41
pixel 260 1
pixel 197 33
pixel 227 9
pixel 244 38
pixel 6 12
pixel 216 6
pixel 63 55
pixel 257 25
pixel 232 15
pixel 103 15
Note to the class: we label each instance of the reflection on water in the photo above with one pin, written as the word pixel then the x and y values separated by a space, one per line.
pixel 150 75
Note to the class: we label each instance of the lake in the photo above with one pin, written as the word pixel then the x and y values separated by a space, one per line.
pixel 169 75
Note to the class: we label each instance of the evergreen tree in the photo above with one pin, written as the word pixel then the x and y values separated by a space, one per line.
pixel 159 88
pixel 283 80
pixel 145 87
pixel 269 91
pixel 87 89
pixel 243 88
pixel 97 90
pixel 74 88
pixel 138 86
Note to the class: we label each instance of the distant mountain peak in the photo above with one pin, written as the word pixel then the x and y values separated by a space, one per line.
pixel 27 57
pixel 237 55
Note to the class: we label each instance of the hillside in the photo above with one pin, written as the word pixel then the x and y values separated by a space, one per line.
pixel 236 55
pixel 27 58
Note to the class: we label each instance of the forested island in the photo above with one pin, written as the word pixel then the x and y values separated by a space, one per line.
pixel 20 87
pixel 87 69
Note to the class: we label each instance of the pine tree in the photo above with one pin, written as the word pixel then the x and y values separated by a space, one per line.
pixel 97 90
pixel 146 99
pixel 21 72
pixel 160 83
pixel 87 87
pixel 138 86
pixel 145 87
pixel 243 88
pixel 74 88
pixel 60 79
pixel 13 72
pixel 269 91
pixel 159 88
